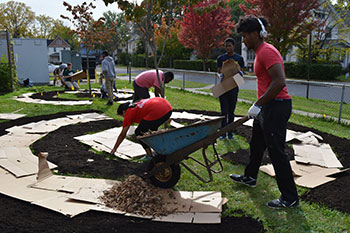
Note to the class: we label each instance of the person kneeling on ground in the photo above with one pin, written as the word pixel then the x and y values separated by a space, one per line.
pixel 67 77
pixel 148 79
pixel 149 113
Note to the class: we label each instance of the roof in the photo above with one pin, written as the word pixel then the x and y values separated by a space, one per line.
pixel 58 42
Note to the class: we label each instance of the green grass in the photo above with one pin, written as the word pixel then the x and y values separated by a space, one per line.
pixel 188 84
pixel 307 218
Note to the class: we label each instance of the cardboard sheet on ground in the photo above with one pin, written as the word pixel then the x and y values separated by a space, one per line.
pixel 309 176
pixel 321 155
pixel 63 205
pixel 11 116
pixel 306 138
pixel 26 98
pixel 227 84
pixel 204 202
pixel 191 116
pixel 20 161
pixel 175 124
pixel 105 141
pixel 20 188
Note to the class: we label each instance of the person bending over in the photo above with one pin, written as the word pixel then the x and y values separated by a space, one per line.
pixel 148 113
pixel 148 79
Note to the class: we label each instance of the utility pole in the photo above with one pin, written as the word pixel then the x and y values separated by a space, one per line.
pixel 309 40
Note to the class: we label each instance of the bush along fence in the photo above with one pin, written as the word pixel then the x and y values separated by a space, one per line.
pixel 5 76
pixel 317 71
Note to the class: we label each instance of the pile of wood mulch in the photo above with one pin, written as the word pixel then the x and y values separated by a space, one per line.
pixel 134 195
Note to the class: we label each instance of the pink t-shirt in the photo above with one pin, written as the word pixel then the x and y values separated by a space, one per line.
pixel 147 109
pixel 149 79
pixel 267 56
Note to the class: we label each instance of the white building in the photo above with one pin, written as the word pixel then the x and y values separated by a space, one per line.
pixel 54 48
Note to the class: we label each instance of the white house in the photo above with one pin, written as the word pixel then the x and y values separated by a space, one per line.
pixel 54 48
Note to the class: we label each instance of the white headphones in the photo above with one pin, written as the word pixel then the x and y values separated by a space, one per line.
pixel 263 32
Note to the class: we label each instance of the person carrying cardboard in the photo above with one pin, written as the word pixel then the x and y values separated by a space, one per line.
pixel 270 113
pixel 228 65
pixel 67 78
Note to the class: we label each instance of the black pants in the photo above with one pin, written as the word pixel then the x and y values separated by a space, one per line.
pixel 145 126
pixel 139 92
pixel 228 102
pixel 269 131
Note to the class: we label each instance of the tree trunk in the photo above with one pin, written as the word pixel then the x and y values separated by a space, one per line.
pixel 204 66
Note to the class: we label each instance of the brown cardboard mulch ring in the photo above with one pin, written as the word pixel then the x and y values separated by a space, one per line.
pixel 71 157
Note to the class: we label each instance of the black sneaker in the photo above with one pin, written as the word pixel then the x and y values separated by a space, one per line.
pixel 280 203
pixel 242 179
pixel 109 103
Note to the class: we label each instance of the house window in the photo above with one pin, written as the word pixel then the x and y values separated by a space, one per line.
pixel 54 49
pixel 59 42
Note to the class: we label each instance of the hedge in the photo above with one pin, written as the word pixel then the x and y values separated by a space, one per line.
pixel 5 79
pixel 195 65
pixel 317 71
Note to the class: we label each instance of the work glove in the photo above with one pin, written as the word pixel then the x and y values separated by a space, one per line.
pixel 220 76
pixel 254 111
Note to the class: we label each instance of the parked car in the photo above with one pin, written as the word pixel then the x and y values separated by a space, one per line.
pixel 52 67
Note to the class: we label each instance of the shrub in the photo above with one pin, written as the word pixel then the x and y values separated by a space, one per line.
pixel 317 71
pixel 5 79
pixel 195 65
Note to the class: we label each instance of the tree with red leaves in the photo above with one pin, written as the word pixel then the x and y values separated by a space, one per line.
pixel 290 21
pixel 205 26
pixel 91 33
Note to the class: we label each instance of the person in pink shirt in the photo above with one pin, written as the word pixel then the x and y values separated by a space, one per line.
pixel 148 79
pixel 270 112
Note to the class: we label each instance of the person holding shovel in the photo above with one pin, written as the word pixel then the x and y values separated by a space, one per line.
pixel 228 100
pixel 148 113
pixel 270 113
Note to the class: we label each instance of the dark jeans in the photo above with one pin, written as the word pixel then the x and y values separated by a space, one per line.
pixel 269 131
pixel 145 126
pixel 228 102
pixel 139 92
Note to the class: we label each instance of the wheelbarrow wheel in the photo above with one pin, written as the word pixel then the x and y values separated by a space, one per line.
pixel 167 177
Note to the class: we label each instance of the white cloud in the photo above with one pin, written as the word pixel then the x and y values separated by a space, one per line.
pixel 55 8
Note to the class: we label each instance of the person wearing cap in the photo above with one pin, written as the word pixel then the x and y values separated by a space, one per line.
pixel 148 79
pixel 270 112
pixel 148 113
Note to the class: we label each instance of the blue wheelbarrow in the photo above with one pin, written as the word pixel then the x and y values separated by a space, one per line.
pixel 175 145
